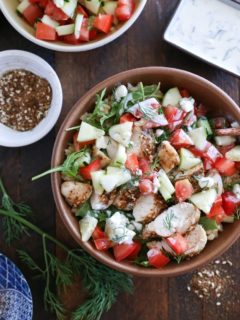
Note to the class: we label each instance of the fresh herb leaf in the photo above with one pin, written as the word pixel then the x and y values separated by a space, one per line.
pixel 164 136
pixel 208 224
pixel 168 220
pixel 70 166
pixel 141 92
pixel 82 211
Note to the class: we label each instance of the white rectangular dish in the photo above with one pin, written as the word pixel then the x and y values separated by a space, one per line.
pixel 208 29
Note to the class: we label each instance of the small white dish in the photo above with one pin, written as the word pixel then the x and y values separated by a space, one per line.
pixel 16 59
pixel 8 8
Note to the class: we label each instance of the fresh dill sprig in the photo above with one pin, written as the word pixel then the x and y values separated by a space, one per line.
pixel 70 166
pixel 168 220
pixel 103 284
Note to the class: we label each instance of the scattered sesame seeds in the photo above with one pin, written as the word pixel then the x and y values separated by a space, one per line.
pixel 25 99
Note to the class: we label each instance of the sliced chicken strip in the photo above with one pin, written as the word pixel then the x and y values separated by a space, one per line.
pixel 126 199
pixel 196 240
pixel 148 207
pixel 103 201
pixel 76 193
pixel 168 156
pixel 178 218
pixel 142 143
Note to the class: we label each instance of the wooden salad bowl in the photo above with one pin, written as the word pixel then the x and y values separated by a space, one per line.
pixel 219 104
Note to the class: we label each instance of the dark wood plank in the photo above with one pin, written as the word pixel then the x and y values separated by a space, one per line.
pixel 18 165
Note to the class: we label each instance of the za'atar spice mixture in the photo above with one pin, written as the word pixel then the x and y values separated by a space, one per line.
pixel 25 99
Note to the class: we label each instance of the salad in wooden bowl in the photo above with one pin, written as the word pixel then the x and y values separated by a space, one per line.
pixel 148 175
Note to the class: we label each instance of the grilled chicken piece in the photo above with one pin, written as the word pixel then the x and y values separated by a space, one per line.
pixel 101 156
pixel 168 156
pixel 103 201
pixel 126 199
pixel 142 143
pixel 148 207
pixel 196 240
pixel 178 218
pixel 76 193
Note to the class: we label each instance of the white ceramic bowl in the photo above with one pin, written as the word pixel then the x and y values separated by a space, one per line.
pixel 16 59
pixel 8 8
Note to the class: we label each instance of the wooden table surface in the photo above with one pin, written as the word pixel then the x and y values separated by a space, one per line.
pixel 142 45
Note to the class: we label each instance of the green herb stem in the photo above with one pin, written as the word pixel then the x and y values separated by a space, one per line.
pixel 52 170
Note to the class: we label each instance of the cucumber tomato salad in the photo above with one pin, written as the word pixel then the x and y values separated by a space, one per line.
pixel 74 21
pixel 148 177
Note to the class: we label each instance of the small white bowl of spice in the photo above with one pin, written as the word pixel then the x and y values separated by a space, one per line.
pixel 30 98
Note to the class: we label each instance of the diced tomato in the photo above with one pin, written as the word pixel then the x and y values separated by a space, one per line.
pixel 80 145
pixel 45 32
pixel 54 12
pixel 210 152
pixel 178 243
pixel 144 165
pixel 71 39
pixel 41 3
pixel 124 10
pixel 132 162
pixel 92 34
pixel 225 167
pixel 218 123
pixel 184 189
pixel 84 33
pixel 224 149
pixel 127 117
pixel 82 11
pixel 230 202
pixel 98 233
pixel 180 139
pixel 217 212
pixel 146 186
pixel 184 93
pixel 157 258
pixel 237 165
pixel 85 172
pixel 174 116
pixel 135 252
pixel 200 110
pixel 103 244
pixel 103 22
pixel 32 13
pixel 124 250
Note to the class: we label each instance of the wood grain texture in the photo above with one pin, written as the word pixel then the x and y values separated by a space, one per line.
pixel 142 45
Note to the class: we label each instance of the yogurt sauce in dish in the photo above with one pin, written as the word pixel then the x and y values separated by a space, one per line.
pixel 209 29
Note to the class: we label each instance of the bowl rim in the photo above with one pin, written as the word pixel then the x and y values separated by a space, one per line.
pixel 36 60
pixel 59 201
pixel 74 48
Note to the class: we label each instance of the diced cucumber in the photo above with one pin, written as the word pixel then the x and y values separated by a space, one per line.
pixel 120 156
pixel 88 132
pixel 204 200
pixel 49 21
pixel 187 160
pixel 59 3
pixel 93 5
pixel 69 8
pixel 110 181
pixel 165 193
pixel 78 25
pixel 23 6
pixel 109 7
pixel 65 30
pixel 87 226
pixel 233 154
pixel 165 182
pixel 203 122
pixel 96 181
pixel 121 133
pixel 199 137
pixel 224 140
pixel 122 174
pixel 171 97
